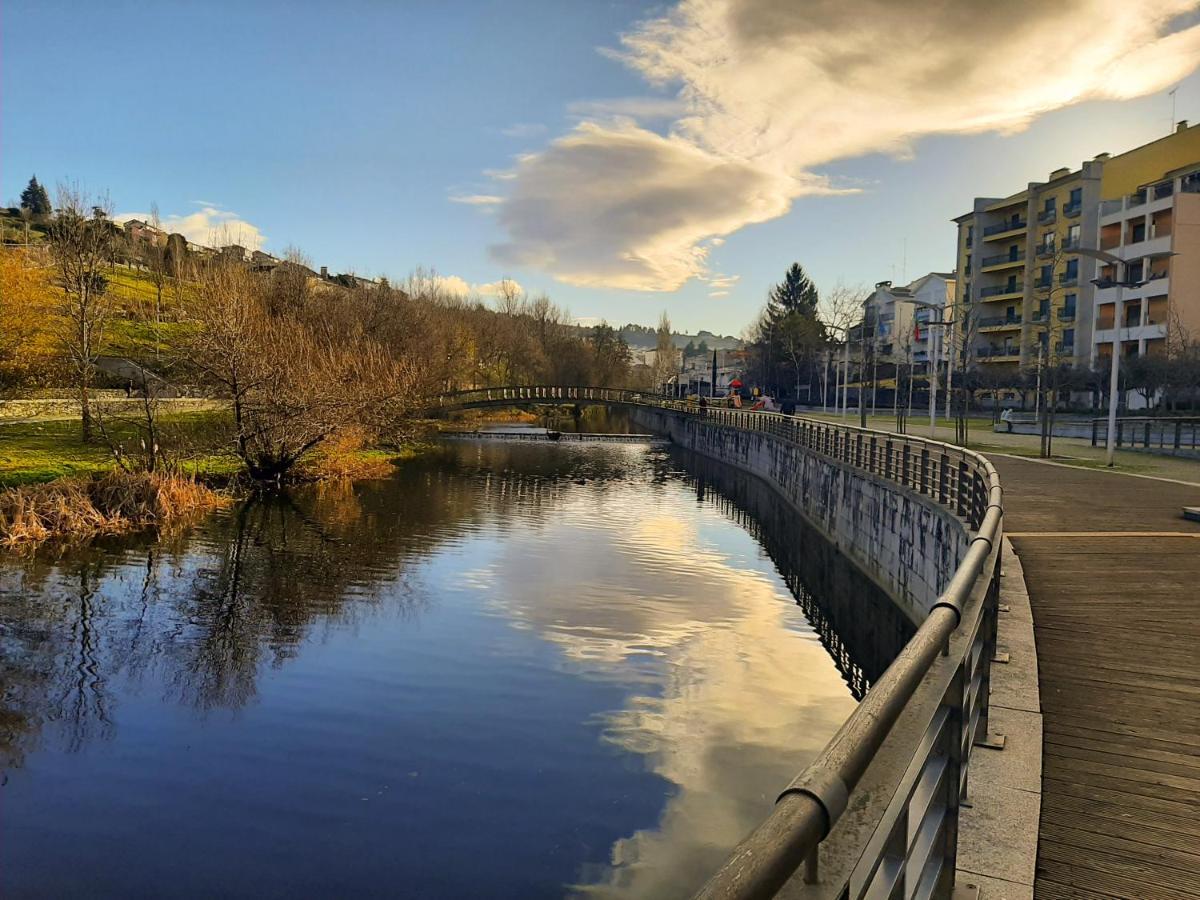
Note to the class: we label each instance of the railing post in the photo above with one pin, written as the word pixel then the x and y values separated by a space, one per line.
pixel 925 471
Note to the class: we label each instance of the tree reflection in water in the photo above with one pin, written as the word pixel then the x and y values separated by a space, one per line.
pixel 576 589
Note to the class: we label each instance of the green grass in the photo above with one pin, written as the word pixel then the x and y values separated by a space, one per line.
pixel 40 451
pixel 34 452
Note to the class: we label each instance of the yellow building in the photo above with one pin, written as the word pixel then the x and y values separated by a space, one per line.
pixel 1026 293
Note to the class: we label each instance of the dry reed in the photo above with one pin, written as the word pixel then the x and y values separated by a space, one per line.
pixel 78 508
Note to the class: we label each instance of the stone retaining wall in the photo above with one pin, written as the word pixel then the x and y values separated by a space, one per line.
pixel 905 543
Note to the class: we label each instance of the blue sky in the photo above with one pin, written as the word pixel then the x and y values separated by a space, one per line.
pixel 354 131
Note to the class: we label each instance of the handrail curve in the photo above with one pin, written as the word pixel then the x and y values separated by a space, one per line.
pixel 926 799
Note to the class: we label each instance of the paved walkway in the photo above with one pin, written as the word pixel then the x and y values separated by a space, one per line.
pixel 1113 573
pixel 1073 451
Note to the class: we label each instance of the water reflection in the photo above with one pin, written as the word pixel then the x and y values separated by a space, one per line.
pixel 583 634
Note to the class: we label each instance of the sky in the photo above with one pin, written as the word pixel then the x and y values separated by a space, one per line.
pixel 626 158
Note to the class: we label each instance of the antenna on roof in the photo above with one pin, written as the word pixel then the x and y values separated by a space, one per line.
pixel 1171 94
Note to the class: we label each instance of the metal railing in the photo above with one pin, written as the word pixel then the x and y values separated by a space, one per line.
pixel 996 321
pixel 999 290
pixel 1162 433
pixel 1002 227
pixel 1002 258
pixel 939 684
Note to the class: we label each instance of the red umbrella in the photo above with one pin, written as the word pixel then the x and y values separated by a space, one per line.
pixel 736 383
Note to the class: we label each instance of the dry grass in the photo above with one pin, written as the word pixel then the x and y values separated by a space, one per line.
pixel 346 456
pixel 80 508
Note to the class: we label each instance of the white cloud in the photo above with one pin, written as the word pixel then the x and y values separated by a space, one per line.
pixel 210 225
pixel 770 90
pixel 477 199
pixel 619 206
pixel 460 287
pixel 639 108
pixel 718 293
pixel 723 281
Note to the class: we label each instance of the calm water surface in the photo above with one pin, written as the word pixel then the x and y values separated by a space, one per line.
pixel 512 670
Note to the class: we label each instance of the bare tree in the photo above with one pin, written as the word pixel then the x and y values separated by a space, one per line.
pixel 296 379
pixel 665 356
pixel 81 242
pixel 154 256
pixel 840 308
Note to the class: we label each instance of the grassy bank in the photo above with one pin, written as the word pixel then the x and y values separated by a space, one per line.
pixel 42 451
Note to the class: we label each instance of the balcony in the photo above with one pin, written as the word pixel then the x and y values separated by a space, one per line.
pixel 1009 353
pixel 1040 317
pixel 1066 315
pixel 1001 261
pixel 1064 349
pixel 1045 250
pixel 1000 290
pixel 1043 284
pixel 1070 243
pixel 1163 189
pixel 1046 216
pixel 1068 279
pixel 1152 246
pixel 1072 209
pixel 999 323
pixel 1012 225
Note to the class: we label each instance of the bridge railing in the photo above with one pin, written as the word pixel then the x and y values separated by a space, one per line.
pixel 938 687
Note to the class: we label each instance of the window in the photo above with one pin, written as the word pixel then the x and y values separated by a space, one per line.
pixel 1014 252
pixel 1047 274
pixel 1049 205
pixel 1137 233
pixel 1072 272
pixel 1048 241
pixel 1076 197
pixel 1069 305
pixel 1073 234
pixel 1068 339
pixel 1044 308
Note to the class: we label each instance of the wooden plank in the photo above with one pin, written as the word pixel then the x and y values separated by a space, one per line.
pixel 1116 618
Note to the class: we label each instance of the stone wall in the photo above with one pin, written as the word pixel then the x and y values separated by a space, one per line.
pixel 905 543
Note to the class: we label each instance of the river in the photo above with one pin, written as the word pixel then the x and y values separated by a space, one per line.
pixel 510 670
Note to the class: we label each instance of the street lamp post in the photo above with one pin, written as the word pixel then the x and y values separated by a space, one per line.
pixel 1118 264
pixel 933 368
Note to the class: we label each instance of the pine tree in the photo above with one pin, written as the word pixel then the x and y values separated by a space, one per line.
pixel 35 199
pixel 796 293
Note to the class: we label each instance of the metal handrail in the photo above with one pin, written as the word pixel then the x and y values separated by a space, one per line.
pixel 960 481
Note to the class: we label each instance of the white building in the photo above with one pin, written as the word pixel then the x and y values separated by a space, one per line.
pixel 902 316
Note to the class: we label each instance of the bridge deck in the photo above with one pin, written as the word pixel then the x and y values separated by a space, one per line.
pixel 1113 573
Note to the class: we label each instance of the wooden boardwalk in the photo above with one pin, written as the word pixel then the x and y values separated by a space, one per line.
pixel 1113 573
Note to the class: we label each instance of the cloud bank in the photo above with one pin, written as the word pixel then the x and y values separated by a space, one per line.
pixel 460 287
pixel 769 91
pixel 210 226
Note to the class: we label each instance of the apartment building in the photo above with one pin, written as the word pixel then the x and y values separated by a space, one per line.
pixel 1025 292
pixel 901 316
pixel 1155 230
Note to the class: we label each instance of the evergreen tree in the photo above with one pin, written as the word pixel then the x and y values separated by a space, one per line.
pixel 795 294
pixel 35 199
